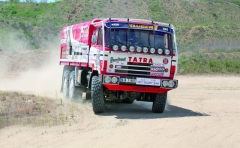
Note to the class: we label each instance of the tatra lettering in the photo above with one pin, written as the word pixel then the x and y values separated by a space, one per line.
pixel 150 60
pixel 144 60
pixel 134 59
pixel 140 60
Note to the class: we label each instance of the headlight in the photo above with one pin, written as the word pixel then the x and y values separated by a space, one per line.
pixel 171 83
pixel 165 83
pixel 114 79
pixel 139 49
pixel 131 49
pixel 123 48
pixel 167 51
pixel 115 47
pixel 107 79
pixel 145 49
pixel 160 51
pixel 152 50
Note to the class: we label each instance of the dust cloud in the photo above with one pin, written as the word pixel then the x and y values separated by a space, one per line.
pixel 44 80
pixel 3 66
pixel 14 40
pixel 30 71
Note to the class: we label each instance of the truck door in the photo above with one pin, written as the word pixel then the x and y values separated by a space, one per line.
pixel 97 47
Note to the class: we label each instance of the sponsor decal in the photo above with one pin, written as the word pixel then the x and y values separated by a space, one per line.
pixel 84 29
pixel 84 50
pixel 157 70
pixel 64 55
pixel 165 61
pixel 115 24
pixel 147 81
pixel 143 26
pixel 111 66
pixel 117 60
pixel 140 60
pixel 84 35
pixel 157 74
pixel 165 29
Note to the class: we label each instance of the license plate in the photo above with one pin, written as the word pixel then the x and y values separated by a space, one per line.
pixel 127 80
pixel 148 81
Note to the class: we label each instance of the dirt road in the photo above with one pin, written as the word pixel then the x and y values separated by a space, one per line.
pixel 203 112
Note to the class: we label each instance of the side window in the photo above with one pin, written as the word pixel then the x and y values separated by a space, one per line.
pixel 100 37
pixel 94 36
pixel 96 32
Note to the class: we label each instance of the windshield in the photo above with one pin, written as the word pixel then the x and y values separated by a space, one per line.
pixel 134 37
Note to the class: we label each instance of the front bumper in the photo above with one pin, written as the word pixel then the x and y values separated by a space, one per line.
pixel 138 84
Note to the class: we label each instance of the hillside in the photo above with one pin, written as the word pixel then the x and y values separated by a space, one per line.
pixel 200 24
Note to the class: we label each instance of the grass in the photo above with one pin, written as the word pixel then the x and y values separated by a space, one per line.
pixel 203 63
pixel 24 109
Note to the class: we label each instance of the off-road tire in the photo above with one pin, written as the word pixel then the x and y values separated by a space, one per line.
pixel 97 95
pixel 66 76
pixel 72 87
pixel 159 103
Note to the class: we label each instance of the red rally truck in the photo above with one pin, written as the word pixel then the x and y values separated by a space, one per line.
pixel 119 60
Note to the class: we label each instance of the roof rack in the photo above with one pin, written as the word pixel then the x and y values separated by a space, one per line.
pixel 104 20
pixel 141 20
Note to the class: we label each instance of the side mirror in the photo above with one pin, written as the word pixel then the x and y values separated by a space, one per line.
pixel 93 39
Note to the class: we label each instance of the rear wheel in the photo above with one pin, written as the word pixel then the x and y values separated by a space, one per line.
pixel 97 95
pixel 159 103
pixel 72 87
pixel 65 87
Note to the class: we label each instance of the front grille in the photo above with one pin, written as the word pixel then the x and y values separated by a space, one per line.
pixel 133 69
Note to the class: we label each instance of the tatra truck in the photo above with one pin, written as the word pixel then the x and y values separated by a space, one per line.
pixel 119 60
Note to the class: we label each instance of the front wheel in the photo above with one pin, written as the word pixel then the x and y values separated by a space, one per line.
pixel 97 95
pixel 159 103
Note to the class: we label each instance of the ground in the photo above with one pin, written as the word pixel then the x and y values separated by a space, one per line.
pixel 204 111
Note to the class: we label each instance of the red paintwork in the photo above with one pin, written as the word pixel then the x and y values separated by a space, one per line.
pixel 172 71
pixel 134 88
